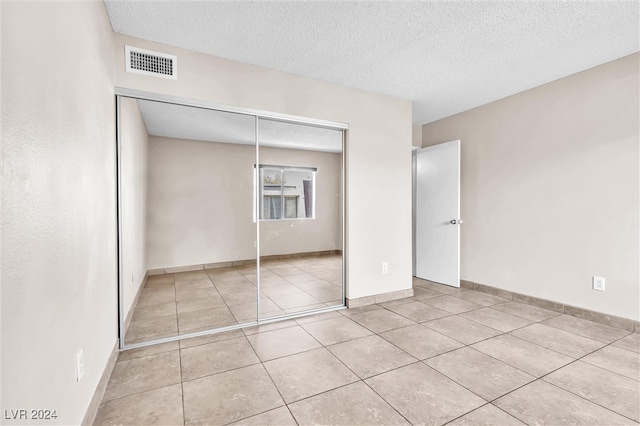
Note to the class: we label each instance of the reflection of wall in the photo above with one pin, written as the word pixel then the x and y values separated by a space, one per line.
pixel 200 204
pixel 133 173
pixel 550 189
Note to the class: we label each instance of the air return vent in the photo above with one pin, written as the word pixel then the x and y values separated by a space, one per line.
pixel 147 62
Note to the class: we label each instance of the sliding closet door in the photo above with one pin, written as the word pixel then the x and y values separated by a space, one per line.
pixel 187 230
pixel 299 190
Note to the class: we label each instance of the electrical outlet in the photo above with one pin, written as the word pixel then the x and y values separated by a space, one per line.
pixel 79 365
pixel 598 283
pixel 385 268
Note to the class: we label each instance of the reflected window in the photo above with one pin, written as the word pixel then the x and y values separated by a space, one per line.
pixel 287 192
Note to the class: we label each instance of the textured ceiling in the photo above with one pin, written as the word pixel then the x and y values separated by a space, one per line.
pixel 446 57
pixel 183 122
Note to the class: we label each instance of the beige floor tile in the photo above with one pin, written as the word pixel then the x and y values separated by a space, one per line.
pixel 230 396
pixel 162 287
pixel 381 320
pixel 224 272
pixel 613 391
pixel 161 406
pixel 277 325
pixel 194 284
pixel 337 330
pixel 495 319
pixel 160 279
pixel 227 290
pixel 424 396
pixel 418 311
pixel 398 302
pixel 618 360
pixel 148 350
pixel 213 358
pixel 283 342
pixel 211 338
pixel 630 343
pixel 137 375
pixel 200 304
pixel 480 373
pixel 272 280
pixel 462 329
pixel 370 356
pixel 318 317
pixel 156 297
pixel 307 308
pixel 309 373
pixel 584 328
pixel 154 311
pixel 288 301
pixel 315 284
pixel 206 318
pixel 541 403
pixel 230 281
pixel 239 297
pixel 487 415
pixel 526 356
pixel 532 313
pixel 300 278
pixel 451 304
pixel 355 404
pixel 420 293
pixel 191 275
pixel 560 341
pixel 285 271
pixel 420 342
pixel 197 293
pixel 281 289
pixel 278 417
pixel 480 298
pixel 151 328
pixel 326 294
pixel 247 312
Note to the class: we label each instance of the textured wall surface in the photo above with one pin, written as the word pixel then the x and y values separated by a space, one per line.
pixel 58 210
pixel 550 189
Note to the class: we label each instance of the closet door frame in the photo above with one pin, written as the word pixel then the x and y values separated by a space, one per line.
pixel 121 92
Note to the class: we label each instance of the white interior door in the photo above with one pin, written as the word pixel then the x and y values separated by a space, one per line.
pixel 437 213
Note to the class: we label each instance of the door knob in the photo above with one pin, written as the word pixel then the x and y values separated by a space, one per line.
pixel 453 221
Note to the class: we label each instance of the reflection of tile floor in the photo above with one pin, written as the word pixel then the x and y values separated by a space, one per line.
pixel 410 361
pixel 173 304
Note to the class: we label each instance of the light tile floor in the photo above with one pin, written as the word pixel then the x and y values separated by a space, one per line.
pixel 173 304
pixel 446 356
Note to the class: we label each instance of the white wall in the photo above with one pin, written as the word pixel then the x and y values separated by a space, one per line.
pixel 58 204
pixel 133 174
pixel 201 203
pixel 378 148
pixel 550 189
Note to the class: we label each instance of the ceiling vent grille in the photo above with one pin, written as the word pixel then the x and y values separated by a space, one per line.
pixel 147 62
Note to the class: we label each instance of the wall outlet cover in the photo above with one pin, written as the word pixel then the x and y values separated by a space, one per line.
pixel 598 283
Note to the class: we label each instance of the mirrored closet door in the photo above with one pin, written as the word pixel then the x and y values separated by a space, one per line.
pixel 300 200
pixel 225 219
